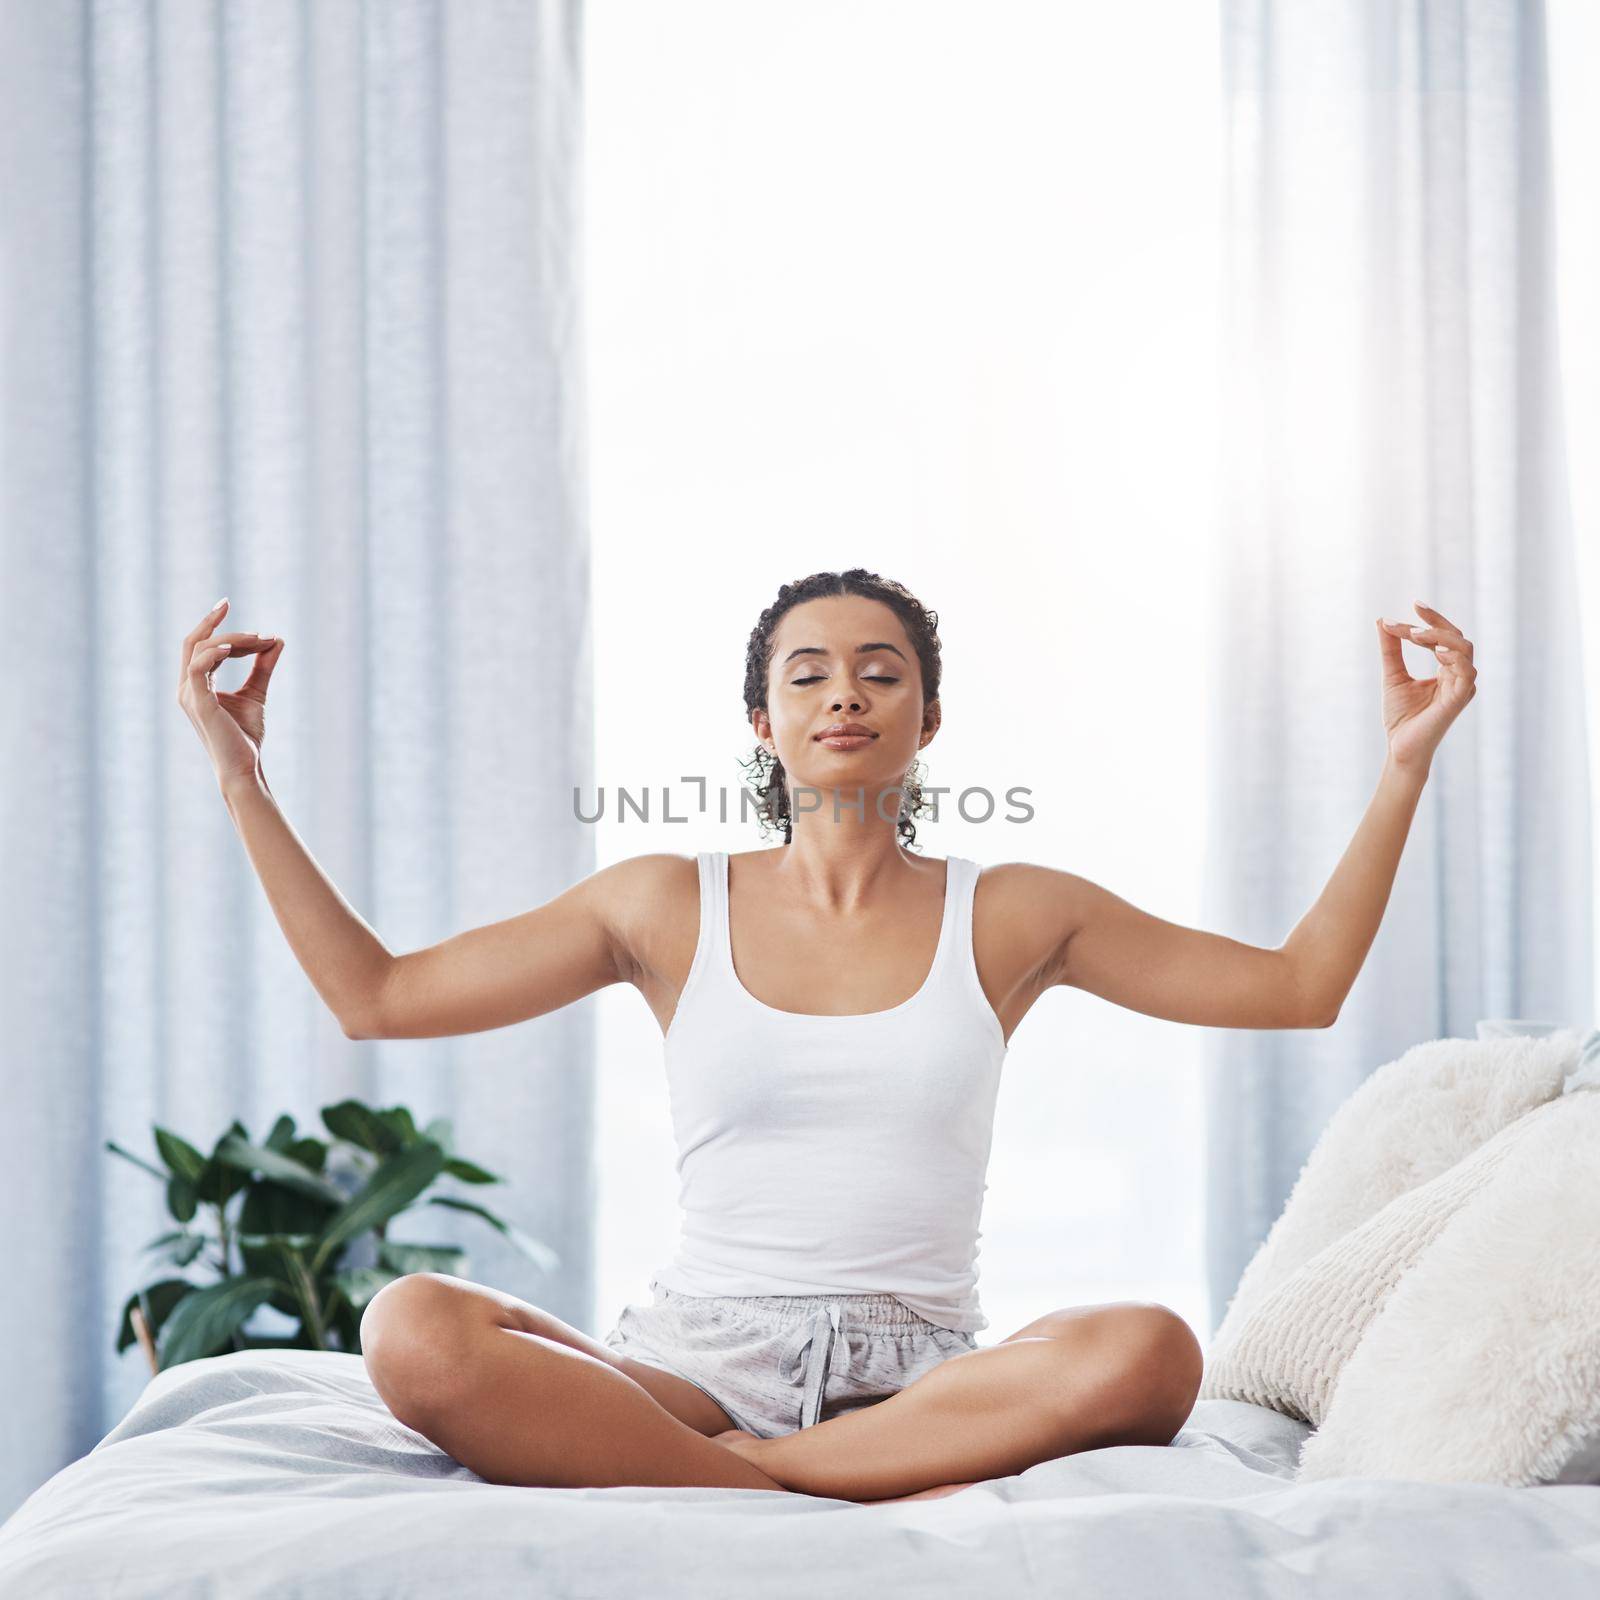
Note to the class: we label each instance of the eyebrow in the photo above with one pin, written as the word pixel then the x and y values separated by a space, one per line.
pixel 861 649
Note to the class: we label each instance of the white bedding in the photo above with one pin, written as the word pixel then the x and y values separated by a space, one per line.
pixel 281 1473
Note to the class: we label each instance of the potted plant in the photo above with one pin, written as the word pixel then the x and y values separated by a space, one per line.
pixel 311 1210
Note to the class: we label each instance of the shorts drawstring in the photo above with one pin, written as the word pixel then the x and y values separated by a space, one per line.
pixel 820 1332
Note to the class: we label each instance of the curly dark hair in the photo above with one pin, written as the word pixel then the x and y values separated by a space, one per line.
pixel 922 628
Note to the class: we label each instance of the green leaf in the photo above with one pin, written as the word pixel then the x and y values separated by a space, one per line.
pixel 399 1121
pixel 359 1284
pixel 181 1198
pixel 397 1181
pixel 470 1172
pixel 282 1135
pixel 138 1161
pixel 360 1125
pixel 269 1209
pixel 219 1182
pixel 313 1312
pixel 280 1168
pixel 442 1132
pixel 235 1130
pixel 204 1321
pixel 156 1301
pixel 543 1254
pixel 180 1156
pixel 409 1258
pixel 310 1153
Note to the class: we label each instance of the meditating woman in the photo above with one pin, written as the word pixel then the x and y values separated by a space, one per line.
pixel 835 1013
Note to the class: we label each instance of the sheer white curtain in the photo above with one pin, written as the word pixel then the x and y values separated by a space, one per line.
pixel 1573 39
pixel 290 312
pixel 872 285
pixel 1394 431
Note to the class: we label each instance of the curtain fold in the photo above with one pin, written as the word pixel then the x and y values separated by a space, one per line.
pixel 291 312
pixel 1392 432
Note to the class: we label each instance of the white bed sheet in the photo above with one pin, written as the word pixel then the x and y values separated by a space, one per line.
pixel 282 1474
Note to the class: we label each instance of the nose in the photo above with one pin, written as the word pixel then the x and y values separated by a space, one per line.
pixel 838 705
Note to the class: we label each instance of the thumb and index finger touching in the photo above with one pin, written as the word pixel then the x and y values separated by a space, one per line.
pixel 216 712
pixel 202 653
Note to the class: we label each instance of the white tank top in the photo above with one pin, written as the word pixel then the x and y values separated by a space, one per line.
pixel 834 1155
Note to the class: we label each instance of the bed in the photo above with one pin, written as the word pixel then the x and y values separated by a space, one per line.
pixel 282 1473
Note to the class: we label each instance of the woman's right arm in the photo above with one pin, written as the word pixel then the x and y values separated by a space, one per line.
pixel 522 967
pixel 484 978
pixel 346 961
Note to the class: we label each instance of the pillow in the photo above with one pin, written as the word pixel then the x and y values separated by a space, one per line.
pixel 1261 1431
pixel 1292 1345
pixel 1412 1119
pixel 1484 1364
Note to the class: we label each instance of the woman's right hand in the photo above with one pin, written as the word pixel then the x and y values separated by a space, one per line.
pixel 230 725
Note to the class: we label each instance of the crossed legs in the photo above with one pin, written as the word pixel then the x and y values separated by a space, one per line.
pixel 1078 1379
pixel 521 1397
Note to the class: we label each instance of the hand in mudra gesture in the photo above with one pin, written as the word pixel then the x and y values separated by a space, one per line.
pixel 1416 711
pixel 230 725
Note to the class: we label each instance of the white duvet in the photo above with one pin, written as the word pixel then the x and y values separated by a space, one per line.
pixel 281 1473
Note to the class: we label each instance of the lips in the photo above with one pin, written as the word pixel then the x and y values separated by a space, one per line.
pixel 843 730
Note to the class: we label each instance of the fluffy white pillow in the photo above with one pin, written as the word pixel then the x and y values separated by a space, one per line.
pixel 1484 1364
pixel 1410 1120
pixel 1291 1348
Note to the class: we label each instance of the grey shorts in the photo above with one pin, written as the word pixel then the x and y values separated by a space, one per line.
pixel 780 1362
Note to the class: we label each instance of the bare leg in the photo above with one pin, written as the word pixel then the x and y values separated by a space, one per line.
pixel 520 1407
pixel 936 1493
pixel 1075 1380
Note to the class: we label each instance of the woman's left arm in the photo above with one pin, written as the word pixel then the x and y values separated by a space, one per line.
pixel 1101 943
pixel 1330 943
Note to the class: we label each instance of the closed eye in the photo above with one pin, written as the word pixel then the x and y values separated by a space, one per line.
pixel 817 678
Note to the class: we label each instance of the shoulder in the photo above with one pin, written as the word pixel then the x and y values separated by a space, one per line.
pixel 648 899
pixel 1032 910
pixel 1024 887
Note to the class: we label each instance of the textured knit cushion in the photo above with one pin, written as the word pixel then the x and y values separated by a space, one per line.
pixel 1413 1118
pixel 1484 1364
pixel 1290 1349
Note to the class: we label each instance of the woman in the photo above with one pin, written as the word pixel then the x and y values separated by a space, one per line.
pixel 835 1012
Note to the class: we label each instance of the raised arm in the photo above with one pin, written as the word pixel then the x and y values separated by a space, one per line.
pixel 1105 945
pixel 344 959
pixel 1113 949
pixel 523 967
pixel 485 978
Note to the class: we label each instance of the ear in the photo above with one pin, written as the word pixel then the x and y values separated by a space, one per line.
pixel 931 718
pixel 762 723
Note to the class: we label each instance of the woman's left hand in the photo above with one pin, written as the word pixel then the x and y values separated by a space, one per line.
pixel 1416 711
